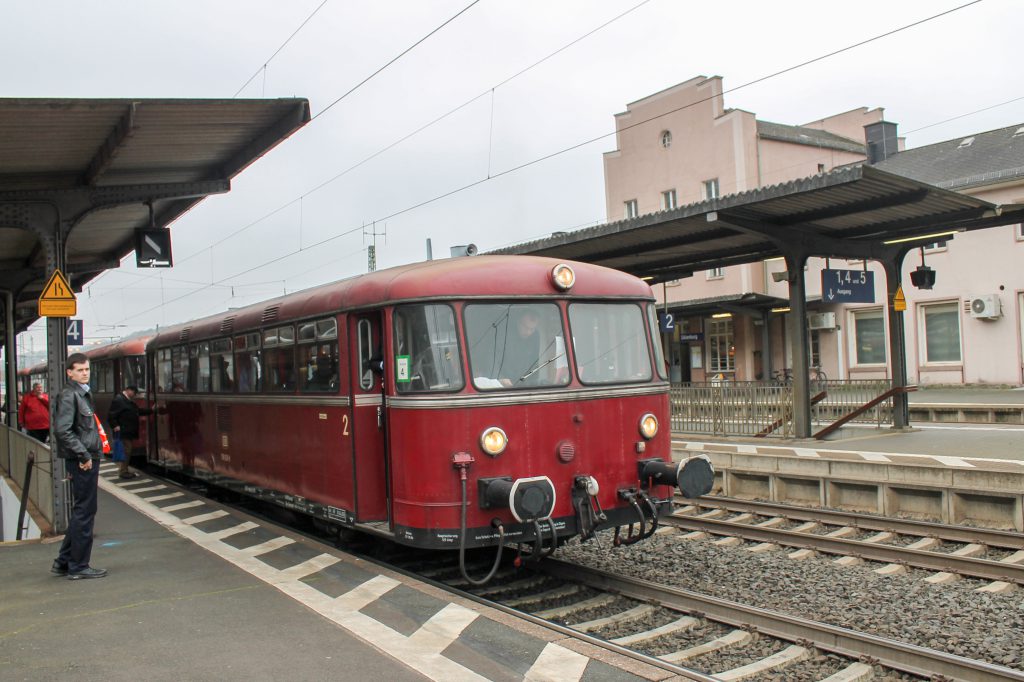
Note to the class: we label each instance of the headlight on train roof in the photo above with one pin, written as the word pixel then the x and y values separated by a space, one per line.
pixel 493 441
pixel 563 277
pixel 648 426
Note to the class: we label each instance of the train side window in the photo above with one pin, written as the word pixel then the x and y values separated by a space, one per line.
pixel 102 379
pixel 163 369
pixel 609 342
pixel 179 368
pixel 279 358
pixel 365 353
pixel 133 372
pixel 247 363
pixel 222 366
pixel 427 356
pixel 199 367
pixel 318 356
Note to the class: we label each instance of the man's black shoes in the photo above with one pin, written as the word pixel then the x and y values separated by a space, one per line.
pixel 129 475
pixel 87 573
pixel 58 568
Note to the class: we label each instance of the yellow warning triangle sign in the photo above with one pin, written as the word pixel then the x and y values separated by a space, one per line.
pixel 57 288
pixel 899 301
pixel 57 299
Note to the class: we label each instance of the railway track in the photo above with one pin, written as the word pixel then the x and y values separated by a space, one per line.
pixel 949 551
pixel 697 634
pixel 678 630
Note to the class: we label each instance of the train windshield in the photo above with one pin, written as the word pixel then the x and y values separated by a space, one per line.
pixel 609 341
pixel 516 345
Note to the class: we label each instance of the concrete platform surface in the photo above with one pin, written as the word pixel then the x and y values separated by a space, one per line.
pixel 967 395
pixel 197 591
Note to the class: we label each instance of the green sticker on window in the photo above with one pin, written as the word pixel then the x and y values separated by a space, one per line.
pixel 402 369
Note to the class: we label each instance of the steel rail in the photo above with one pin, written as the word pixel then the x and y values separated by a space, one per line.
pixel 926 529
pixel 891 554
pixel 908 658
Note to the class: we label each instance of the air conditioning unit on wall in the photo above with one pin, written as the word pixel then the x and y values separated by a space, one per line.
pixel 985 307
pixel 821 321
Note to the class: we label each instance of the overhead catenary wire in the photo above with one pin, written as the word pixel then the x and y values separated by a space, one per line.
pixel 565 150
pixel 415 132
pixel 278 50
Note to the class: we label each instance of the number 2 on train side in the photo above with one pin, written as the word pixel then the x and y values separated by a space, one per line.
pixel 344 424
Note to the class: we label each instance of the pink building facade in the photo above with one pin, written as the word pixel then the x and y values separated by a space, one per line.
pixel 730 322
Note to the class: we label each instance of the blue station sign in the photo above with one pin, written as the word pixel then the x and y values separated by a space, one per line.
pixel 847 286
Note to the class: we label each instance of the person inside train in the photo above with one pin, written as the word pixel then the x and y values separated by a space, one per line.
pixel 521 352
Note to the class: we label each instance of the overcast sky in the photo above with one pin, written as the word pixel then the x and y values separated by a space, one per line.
pixel 946 68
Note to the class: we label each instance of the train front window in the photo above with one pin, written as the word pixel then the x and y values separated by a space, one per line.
pixel 609 341
pixel 427 354
pixel 659 352
pixel 516 345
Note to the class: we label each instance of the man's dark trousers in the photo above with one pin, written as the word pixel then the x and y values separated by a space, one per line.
pixel 76 550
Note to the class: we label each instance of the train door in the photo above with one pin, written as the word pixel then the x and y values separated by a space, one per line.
pixel 366 346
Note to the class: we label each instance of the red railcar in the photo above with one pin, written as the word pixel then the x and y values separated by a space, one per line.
pixel 470 401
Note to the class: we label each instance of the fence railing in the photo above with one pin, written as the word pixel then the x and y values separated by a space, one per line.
pixel 748 408
pixel 14 450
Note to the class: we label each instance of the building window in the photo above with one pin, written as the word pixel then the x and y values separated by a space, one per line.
pixel 869 335
pixel 1020 231
pixel 716 273
pixel 666 139
pixel 721 351
pixel 814 351
pixel 668 200
pixel 935 246
pixel 631 211
pixel 941 332
pixel 711 188
pixel 821 168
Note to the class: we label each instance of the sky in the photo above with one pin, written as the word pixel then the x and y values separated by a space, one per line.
pixel 494 170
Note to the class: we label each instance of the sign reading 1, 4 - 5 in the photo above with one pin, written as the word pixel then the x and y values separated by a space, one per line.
pixel 847 286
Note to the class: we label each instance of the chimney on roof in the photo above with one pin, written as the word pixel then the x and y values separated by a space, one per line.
pixel 881 140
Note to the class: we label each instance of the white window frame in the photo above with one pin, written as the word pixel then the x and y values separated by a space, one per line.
pixel 715 273
pixel 720 329
pixel 1020 232
pixel 668 200
pixel 711 189
pixel 666 138
pixel 922 332
pixel 854 340
pixel 630 209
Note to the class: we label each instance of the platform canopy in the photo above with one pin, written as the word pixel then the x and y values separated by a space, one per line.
pixel 848 213
pixel 88 171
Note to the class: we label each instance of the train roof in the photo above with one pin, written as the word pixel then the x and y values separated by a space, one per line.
pixel 135 345
pixel 451 278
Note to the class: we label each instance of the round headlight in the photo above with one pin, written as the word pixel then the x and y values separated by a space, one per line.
pixel 563 277
pixel 493 441
pixel 648 426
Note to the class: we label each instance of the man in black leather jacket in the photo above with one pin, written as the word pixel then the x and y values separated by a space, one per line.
pixel 76 430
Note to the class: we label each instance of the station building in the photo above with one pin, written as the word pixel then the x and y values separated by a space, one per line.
pixel 967 329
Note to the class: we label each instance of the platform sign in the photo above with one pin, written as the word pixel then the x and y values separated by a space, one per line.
pixel 57 299
pixel 847 286
pixel 76 333
pixel 666 321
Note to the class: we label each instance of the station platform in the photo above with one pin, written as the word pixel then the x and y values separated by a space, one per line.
pixel 199 591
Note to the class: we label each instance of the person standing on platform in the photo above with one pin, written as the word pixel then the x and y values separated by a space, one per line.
pixel 34 413
pixel 124 420
pixel 80 444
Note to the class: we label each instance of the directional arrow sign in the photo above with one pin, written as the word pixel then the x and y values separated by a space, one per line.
pixel 57 299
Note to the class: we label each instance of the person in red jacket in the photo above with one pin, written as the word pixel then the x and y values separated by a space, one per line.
pixel 34 413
